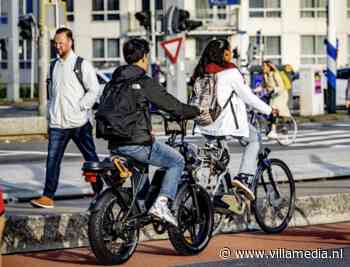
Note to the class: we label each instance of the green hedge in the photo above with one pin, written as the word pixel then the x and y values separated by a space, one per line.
pixel 24 92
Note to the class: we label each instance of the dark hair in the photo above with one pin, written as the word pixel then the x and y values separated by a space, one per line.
pixel 66 31
pixel 212 53
pixel 135 49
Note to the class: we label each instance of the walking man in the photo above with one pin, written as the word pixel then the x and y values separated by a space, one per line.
pixel 69 106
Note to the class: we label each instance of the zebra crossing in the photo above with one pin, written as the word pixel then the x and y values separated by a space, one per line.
pixel 337 135
pixel 319 138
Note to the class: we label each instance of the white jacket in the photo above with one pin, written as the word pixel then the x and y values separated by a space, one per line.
pixel 69 106
pixel 229 81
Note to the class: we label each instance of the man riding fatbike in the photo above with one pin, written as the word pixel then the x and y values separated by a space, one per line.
pixel 143 146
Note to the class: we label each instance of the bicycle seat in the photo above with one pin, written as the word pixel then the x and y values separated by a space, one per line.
pixel 98 166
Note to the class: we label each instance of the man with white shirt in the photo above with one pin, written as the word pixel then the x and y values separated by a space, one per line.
pixel 69 110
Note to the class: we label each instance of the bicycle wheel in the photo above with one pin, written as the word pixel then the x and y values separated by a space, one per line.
pixel 195 218
pixel 110 240
pixel 287 129
pixel 274 202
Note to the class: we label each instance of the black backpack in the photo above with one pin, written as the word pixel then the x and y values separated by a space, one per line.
pixel 116 115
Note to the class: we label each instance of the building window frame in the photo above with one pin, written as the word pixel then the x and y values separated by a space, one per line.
pixel 317 9
pixel 104 12
pixel 314 58
pixel 348 9
pixel 25 55
pixel 104 59
pixel 265 11
pixel 69 9
pixel 275 57
pixel 4 55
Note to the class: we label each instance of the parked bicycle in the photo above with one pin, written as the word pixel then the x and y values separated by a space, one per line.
pixel 121 210
pixel 273 186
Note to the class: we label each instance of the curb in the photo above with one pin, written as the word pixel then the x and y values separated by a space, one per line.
pixel 68 230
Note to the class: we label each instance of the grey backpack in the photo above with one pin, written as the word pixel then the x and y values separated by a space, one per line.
pixel 204 96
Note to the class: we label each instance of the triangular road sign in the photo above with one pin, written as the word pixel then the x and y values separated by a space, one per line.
pixel 172 48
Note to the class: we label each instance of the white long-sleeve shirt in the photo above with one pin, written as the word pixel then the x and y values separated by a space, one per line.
pixel 69 106
pixel 229 81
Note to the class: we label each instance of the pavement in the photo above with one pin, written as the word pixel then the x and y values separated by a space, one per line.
pixel 323 193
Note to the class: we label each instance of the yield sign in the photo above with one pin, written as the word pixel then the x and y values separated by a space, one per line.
pixel 172 48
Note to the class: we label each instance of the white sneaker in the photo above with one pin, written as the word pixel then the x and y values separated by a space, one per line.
pixel 272 135
pixel 161 210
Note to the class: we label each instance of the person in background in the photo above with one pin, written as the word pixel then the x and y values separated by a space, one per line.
pixel 273 83
pixel 69 111
pixel 288 76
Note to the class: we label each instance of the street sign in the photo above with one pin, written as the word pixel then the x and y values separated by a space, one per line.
pixel 223 2
pixel 172 48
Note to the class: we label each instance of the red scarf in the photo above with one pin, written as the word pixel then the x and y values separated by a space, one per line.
pixel 214 68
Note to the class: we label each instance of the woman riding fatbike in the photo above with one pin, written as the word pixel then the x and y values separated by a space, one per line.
pixel 233 120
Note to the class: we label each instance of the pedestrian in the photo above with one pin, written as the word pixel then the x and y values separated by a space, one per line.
pixel 347 96
pixel 69 110
pixel 288 76
pixel 273 83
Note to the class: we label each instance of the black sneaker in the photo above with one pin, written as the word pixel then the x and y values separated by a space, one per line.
pixel 241 182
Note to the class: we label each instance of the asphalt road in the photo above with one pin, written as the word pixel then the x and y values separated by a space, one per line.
pixel 309 136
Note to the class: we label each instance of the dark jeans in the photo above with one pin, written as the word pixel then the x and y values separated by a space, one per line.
pixel 58 140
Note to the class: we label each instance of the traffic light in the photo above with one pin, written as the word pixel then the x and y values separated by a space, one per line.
pixel 25 25
pixel 3 47
pixel 144 17
pixel 180 21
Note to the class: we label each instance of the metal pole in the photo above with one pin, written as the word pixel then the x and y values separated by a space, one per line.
pixel 244 37
pixel 13 74
pixel 153 31
pixel 331 56
pixel 43 59
pixel 32 68
pixel 176 74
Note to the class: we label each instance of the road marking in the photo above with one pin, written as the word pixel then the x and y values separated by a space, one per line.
pixel 41 153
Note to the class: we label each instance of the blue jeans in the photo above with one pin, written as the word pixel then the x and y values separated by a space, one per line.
pixel 160 155
pixel 58 141
pixel 250 151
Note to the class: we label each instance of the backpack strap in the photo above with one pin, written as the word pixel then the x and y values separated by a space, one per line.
pixel 232 108
pixel 49 79
pixel 78 72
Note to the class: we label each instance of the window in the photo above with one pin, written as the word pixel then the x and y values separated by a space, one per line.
pixel 105 52
pixel 105 10
pixel 313 8
pixel 3 54
pixel 146 5
pixel 4 8
pixel 271 48
pixel 25 50
pixel 69 9
pixel 265 8
pixel 202 41
pixel 313 49
pixel 348 8
pixel 25 7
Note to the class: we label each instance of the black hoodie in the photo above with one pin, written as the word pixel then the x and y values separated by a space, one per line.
pixel 150 92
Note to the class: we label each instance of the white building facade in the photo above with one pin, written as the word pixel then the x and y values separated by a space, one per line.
pixel 293 31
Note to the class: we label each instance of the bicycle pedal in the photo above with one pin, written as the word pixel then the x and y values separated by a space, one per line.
pixel 234 205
